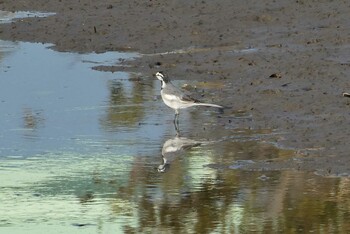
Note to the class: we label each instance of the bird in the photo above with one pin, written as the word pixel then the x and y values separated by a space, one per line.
pixel 176 99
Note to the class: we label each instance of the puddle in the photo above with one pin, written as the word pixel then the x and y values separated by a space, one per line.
pixel 81 152
pixel 8 17
pixel 193 49
pixel 55 102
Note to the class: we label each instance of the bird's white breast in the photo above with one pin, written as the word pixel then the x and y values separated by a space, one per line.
pixel 170 100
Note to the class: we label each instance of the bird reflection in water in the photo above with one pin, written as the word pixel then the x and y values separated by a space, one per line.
pixel 174 147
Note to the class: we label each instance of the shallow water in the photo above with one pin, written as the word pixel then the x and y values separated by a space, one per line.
pixel 81 152
pixel 8 17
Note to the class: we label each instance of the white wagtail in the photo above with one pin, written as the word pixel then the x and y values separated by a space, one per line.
pixel 176 99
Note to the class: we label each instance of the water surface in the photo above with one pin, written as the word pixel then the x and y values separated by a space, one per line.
pixel 83 151
pixel 8 17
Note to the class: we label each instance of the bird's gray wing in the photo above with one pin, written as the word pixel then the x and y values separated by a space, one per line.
pixel 174 91
pixel 188 98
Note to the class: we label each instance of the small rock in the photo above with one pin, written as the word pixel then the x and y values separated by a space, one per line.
pixel 263 18
pixel 306 89
pixel 188 87
pixel 276 75
pixel 274 46
pixel 313 41
pixel 286 84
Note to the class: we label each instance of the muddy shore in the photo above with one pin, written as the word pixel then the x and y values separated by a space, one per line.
pixel 285 63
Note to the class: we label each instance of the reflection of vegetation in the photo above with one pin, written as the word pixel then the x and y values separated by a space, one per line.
pixel 7 47
pixel 189 198
pixel 32 120
pixel 233 201
pixel 237 202
pixel 125 107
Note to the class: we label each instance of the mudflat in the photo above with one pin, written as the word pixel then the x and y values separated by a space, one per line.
pixel 285 63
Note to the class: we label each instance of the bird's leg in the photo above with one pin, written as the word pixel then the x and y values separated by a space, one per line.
pixel 176 123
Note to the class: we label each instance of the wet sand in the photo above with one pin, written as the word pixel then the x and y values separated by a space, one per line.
pixel 284 63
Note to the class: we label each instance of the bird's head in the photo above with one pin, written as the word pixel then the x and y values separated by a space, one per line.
pixel 164 80
pixel 160 76
pixel 163 167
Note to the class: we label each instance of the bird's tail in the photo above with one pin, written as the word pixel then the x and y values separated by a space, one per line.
pixel 208 104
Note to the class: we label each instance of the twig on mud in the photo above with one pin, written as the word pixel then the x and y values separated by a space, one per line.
pixel 346 94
